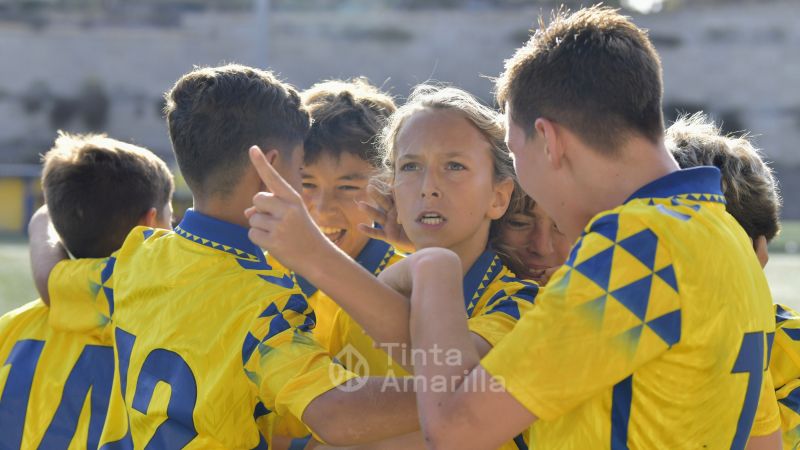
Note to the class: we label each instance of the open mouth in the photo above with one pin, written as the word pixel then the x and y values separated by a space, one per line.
pixel 333 234
pixel 431 218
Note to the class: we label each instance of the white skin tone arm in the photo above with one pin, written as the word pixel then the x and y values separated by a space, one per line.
pixel 45 250
pixel 470 417
pixel 452 419
pixel 281 224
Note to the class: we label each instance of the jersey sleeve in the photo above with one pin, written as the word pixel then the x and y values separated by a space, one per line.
pixel 789 407
pixel 767 419
pixel 287 366
pixel 81 294
pixel 503 311
pixel 611 308
pixel 785 359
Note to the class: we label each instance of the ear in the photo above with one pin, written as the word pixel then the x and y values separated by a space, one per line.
pixel 149 218
pixel 761 248
pixel 273 157
pixel 553 144
pixel 501 199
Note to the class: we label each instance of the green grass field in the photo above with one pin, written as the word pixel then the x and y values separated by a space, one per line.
pixel 783 270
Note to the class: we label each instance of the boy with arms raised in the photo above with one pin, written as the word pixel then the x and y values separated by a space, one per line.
pixel 96 190
pixel 645 338
pixel 172 289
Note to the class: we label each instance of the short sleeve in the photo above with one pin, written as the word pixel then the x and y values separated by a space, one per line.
pixel 785 359
pixel 611 308
pixel 789 407
pixel 81 294
pixel 288 367
pixel 503 311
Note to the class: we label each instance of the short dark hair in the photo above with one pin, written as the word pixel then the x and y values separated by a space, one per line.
pixel 346 117
pixel 214 116
pixel 593 71
pixel 750 189
pixel 97 189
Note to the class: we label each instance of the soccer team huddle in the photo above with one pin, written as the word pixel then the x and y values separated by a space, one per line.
pixel 559 272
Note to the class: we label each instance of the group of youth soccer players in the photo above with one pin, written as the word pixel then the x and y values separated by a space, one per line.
pixel 354 274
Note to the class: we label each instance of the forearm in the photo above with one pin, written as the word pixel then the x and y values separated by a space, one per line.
pixel 46 250
pixel 375 411
pixel 473 412
pixel 437 293
pixel 379 309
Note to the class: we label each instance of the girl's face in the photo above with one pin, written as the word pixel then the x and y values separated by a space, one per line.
pixel 444 185
pixel 535 240
pixel 332 188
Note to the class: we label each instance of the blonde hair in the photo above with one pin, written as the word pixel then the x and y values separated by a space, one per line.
pixel 486 120
pixel 750 189
pixel 445 98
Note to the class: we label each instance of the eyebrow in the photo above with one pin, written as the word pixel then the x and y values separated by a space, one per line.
pixel 356 176
pixel 450 154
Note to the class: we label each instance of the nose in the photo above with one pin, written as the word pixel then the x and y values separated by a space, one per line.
pixel 541 242
pixel 430 185
pixel 322 202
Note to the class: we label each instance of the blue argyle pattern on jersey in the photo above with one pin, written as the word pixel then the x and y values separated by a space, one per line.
pixel 629 277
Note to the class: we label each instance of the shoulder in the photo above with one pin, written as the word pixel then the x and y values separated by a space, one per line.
pixel 31 316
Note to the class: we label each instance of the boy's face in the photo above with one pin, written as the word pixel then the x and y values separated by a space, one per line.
pixel 534 172
pixel 536 240
pixel 331 191
pixel 444 182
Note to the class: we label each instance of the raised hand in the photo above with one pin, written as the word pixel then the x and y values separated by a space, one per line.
pixel 384 214
pixel 279 221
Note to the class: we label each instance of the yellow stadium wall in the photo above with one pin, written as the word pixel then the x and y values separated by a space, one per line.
pixel 19 198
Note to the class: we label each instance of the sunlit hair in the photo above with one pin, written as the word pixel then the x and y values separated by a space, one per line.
pixel 346 118
pixel 97 189
pixel 750 189
pixel 594 72
pixel 486 120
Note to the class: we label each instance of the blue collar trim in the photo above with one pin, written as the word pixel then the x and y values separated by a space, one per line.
pixel 373 257
pixel 219 235
pixel 477 279
pixel 703 180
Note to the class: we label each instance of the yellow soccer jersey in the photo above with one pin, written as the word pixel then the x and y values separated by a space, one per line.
pixel 494 300
pixel 785 368
pixel 211 343
pixel 375 256
pixel 54 386
pixel 654 334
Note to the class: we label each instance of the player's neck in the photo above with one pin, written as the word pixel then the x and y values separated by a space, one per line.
pixel 227 209
pixel 608 183
pixel 471 249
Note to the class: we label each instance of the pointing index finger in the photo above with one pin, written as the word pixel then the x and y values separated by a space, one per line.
pixel 274 181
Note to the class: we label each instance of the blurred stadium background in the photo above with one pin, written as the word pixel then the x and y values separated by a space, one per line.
pixel 102 65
